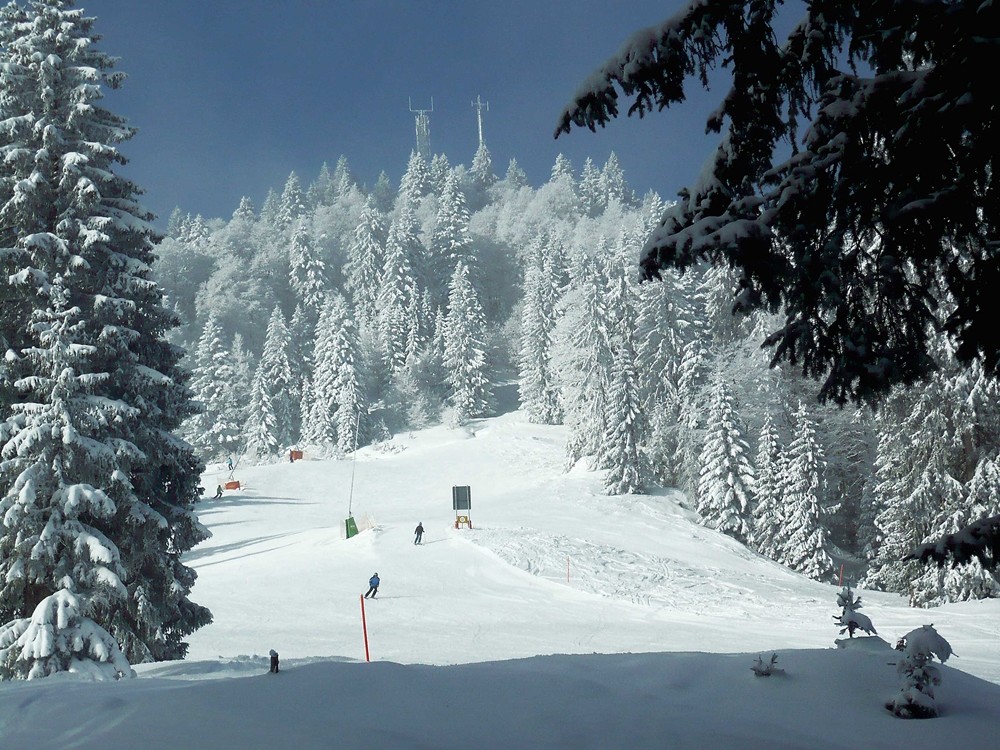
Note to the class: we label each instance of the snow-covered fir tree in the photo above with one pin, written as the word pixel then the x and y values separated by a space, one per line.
pixel 450 242
pixel 621 453
pixel 55 451
pixel 481 173
pixel 215 430
pixel 726 486
pixel 465 362
pixel 914 480
pixel 591 191
pixel 613 185
pixel 583 357
pixel 292 204
pixel 366 260
pixel 307 275
pixel 537 381
pixel 768 524
pixel 67 214
pixel 396 290
pixel 336 393
pixel 919 675
pixel 416 180
pixel 272 406
pixel 321 191
pixel 806 548
pixel 850 619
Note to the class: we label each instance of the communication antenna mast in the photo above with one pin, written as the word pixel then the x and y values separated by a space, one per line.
pixel 423 129
pixel 479 104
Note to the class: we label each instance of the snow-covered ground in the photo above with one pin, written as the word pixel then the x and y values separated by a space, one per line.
pixel 563 619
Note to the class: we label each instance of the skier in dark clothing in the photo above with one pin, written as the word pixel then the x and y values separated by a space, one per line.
pixel 373 582
pixel 218 492
pixel 419 532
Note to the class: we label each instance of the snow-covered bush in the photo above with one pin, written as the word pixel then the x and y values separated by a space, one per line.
pixel 915 699
pixel 850 619
pixel 766 669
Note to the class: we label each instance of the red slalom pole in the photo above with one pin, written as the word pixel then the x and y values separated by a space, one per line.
pixel 364 627
pixel 841 582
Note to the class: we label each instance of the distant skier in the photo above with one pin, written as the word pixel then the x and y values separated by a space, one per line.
pixel 218 492
pixel 373 582
pixel 229 463
pixel 419 531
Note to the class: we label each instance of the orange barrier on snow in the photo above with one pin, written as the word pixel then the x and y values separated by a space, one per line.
pixel 232 485
pixel 295 455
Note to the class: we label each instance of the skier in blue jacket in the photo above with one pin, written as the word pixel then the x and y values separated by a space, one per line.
pixel 373 582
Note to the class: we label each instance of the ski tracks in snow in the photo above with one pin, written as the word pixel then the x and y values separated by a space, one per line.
pixel 604 570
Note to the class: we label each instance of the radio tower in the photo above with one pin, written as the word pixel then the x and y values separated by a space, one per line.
pixel 423 129
pixel 479 104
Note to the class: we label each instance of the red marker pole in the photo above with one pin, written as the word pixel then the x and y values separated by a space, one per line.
pixel 841 582
pixel 364 627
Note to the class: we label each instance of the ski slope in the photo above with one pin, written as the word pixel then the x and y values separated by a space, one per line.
pixel 563 619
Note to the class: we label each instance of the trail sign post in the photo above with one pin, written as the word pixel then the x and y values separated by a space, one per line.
pixel 461 500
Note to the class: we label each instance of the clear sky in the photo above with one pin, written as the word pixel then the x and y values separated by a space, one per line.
pixel 229 96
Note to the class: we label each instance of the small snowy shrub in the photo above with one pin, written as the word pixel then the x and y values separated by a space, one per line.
pixel 915 699
pixel 762 669
pixel 850 619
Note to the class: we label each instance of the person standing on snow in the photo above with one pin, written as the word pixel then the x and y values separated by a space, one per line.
pixel 229 463
pixel 419 531
pixel 373 582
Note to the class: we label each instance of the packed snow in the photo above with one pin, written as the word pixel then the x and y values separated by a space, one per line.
pixel 563 618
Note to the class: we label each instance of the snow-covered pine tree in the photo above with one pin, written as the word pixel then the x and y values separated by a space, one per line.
pixel 366 260
pixel 768 526
pixel 301 328
pixel 383 193
pixel 849 618
pixel 915 699
pixel 343 181
pixel 416 180
pixel 307 274
pixel 319 406
pixel 537 381
pixel 621 452
pixel 914 480
pixel 727 481
pixel 471 392
pixel 321 192
pixel 583 356
pixel 66 212
pixel 955 583
pixel 805 548
pixel 269 430
pixel 319 426
pixel 292 204
pixel 450 242
pixel 215 431
pixel 515 176
pixel 591 190
pixel 396 289
pixel 440 168
pixel 348 382
pixel 481 175
pixel 55 450
pixel 613 185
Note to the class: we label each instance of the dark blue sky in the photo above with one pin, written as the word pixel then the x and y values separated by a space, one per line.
pixel 229 96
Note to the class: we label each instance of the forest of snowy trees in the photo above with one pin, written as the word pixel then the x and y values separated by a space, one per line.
pixel 339 311
pixel 336 314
